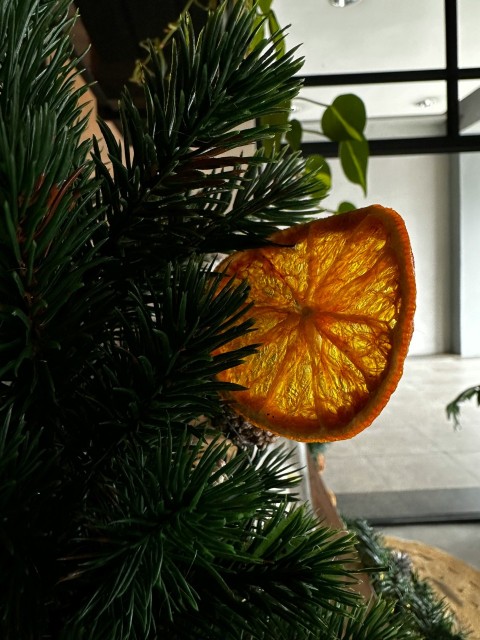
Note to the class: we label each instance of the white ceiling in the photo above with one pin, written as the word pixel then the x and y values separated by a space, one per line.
pixel 381 35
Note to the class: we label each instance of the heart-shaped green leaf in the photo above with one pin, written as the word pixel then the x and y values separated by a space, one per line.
pixel 259 27
pixel 317 165
pixel 344 119
pixel 354 158
pixel 275 119
pixel 294 136
pixel 345 206
pixel 274 27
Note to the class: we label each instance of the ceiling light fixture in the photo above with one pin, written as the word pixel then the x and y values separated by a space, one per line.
pixel 426 103
pixel 343 3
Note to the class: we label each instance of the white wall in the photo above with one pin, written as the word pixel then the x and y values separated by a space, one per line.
pixel 417 187
pixel 468 265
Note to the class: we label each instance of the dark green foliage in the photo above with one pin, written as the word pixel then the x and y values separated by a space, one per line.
pixel 157 367
pixel 152 538
pixel 45 223
pixel 183 531
pixel 453 408
pixel 424 614
pixel 376 620
pixel 179 190
pixel 373 621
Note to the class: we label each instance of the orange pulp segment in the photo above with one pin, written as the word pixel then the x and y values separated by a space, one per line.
pixel 333 309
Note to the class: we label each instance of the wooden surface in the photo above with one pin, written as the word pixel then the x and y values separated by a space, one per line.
pixel 454 581
pixel 327 513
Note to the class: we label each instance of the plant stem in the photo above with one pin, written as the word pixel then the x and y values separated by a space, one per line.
pixel 316 102
pixel 317 133
pixel 173 26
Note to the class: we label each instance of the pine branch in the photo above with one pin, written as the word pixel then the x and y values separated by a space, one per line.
pixel 158 365
pixel 25 485
pixel 376 621
pixel 414 599
pixel 166 520
pixel 453 408
pixel 47 223
pixel 172 195
pixel 183 532
pixel 47 226
pixel 269 195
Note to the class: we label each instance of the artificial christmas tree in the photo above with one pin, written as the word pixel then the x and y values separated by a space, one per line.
pixel 124 514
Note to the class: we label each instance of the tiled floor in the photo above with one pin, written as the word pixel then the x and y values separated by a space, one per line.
pixel 412 446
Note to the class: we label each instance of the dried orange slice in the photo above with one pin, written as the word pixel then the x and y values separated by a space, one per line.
pixel 333 309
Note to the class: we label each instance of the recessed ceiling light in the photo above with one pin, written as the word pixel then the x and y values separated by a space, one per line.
pixel 343 3
pixel 426 103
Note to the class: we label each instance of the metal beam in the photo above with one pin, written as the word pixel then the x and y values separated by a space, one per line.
pixel 470 110
pixel 451 54
pixel 403 146
pixel 375 77
pixel 381 77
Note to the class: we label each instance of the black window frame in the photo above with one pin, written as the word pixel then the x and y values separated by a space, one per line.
pixel 453 141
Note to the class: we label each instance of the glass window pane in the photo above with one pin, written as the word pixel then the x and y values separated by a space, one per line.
pixel 394 110
pixel 468 25
pixel 373 35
